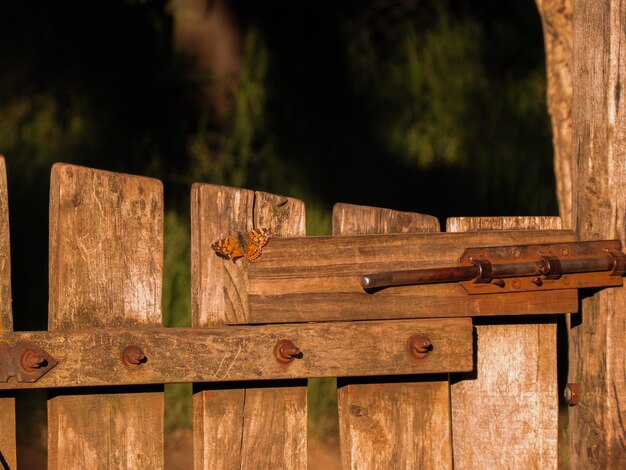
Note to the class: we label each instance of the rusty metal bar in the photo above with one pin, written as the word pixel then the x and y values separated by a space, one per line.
pixel 542 265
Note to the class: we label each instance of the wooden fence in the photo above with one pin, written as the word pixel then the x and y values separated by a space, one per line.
pixel 483 394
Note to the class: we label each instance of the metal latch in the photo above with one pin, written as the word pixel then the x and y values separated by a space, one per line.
pixel 25 361
pixel 501 269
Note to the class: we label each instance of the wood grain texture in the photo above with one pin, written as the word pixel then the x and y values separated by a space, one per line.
pixel 598 335
pixel 6 315
pixel 349 219
pixel 217 212
pixel 7 401
pixel 556 19
pixel 247 352
pixel 229 421
pixel 505 415
pixel 106 263
pixel 392 425
pixel 317 278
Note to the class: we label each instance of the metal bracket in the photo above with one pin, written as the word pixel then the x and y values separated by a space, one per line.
pixel 555 266
pixel 25 361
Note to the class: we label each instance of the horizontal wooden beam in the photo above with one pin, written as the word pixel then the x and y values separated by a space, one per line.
pixel 318 278
pixel 94 357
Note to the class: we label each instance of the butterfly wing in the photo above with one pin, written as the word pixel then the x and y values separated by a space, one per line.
pixel 253 252
pixel 228 248
pixel 255 240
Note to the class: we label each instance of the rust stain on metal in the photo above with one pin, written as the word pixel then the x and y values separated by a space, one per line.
pixel 31 360
pixel 572 394
pixel 530 267
pixel 420 345
pixel 133 356
pixel 285 351
pixel 25 361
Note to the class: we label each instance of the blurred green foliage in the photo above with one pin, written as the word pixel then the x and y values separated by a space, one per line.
pixel 430 106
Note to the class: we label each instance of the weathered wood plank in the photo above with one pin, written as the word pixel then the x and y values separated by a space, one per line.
pixel 598 335
pixel 106 257
pixel 217 212
pixel 356 306
pixel 270 412
pixel 228 422
pixel 350 219
pixel 317 278
pixel 505 414
pixel 392 425
pixel 6 315
pixel 7 401
pixel 556 18
pixel 247 352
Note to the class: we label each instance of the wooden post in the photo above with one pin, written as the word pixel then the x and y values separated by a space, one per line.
pixel 7 400
pixel 386 423
pixel 106 263
pixel 598 335
pixel 244 425
pixel 505 414
pixel 556 18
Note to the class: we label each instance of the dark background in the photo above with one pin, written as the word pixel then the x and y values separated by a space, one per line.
pixel 433 106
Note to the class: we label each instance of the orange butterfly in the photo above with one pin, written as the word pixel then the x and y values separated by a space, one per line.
pixel 240 245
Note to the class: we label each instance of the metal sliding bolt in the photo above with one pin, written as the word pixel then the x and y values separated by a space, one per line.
pixel 285 351
pixel 31 360
pixel 420 345
pixel 133 356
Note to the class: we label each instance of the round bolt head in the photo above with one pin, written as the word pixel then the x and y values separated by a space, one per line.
pixel 285 351
pixel 31 360
pixel 572 394
pixel 420 346
pixel 133 356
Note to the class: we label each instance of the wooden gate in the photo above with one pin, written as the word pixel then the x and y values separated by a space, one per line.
pixel 429 376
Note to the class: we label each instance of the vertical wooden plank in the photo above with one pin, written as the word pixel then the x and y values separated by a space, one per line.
pixel 7 400
pixel 243 425
pixel 106 263
pixel 556 19
pixel 598 335
pixel 386 422
pixel 6 315
pixel 505 414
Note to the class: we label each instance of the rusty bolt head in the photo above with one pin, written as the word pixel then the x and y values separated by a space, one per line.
pixel 498 282
pixel 133 356
pixel 564 251
pixel 420 345
pixel 516 283
pixel 515 252
pixel 537 281
pixel 285 351
pixel 572 394
pixel 31 360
